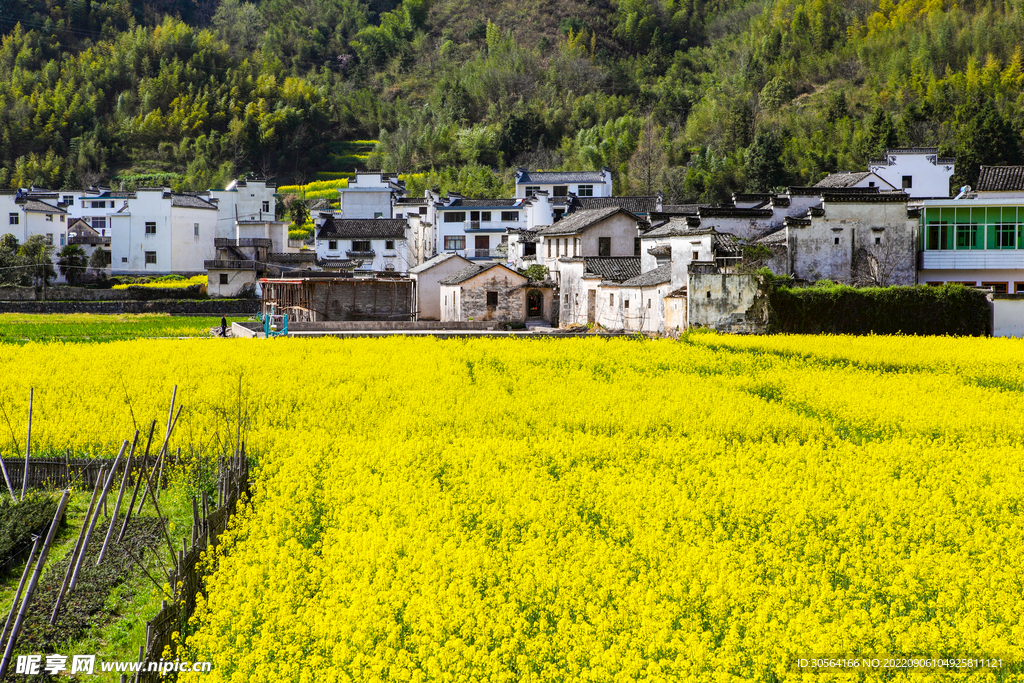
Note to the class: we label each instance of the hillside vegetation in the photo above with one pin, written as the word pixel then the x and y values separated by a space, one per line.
pixel 696 97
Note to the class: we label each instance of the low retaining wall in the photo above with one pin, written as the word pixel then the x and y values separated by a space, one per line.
pixel 254 329
pixel 67 293
pixel 205 307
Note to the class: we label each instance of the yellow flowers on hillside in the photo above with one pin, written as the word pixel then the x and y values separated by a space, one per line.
pixel 583 509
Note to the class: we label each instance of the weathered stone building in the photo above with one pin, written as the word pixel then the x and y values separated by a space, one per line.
pixel 491 291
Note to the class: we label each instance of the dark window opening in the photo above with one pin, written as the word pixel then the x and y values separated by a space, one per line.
pixel 636 246
pixel 604 246
pixel 908 182
pixel 223 278
pixel 492 299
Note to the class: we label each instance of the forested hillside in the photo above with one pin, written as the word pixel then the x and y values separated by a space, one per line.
pixel 695 97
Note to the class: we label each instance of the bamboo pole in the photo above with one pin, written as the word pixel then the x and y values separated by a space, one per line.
pixel 21 586
pixel 23 610
pixel 138 480
pixel 72 563
pixel 163 452
pixel 96 515
pixel 28 445
pixel 120 495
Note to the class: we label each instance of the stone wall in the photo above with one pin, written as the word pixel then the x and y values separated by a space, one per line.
pixel 358 299
pixel 727 303
pixel 511 300
pixel 66 293
pixel 204 307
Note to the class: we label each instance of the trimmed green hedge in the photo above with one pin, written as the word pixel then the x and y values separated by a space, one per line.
pixel 828 308
pixel 18 521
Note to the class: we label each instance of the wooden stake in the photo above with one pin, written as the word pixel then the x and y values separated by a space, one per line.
pixel 28 446
pixel 138 480
pixel 21 586
pixel 95 518
pixel 23 610
pixel 74 553
pixel 163 452
pixel 120 495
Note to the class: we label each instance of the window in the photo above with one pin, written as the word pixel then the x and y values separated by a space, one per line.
pixel 151 258
pixel 709 293
pixel 49 238
pixel 636 246
pixel 966 237
pixel 62 239
pixel 332 244
pixel 567 297
pixel 98 223
pixel 531 191
pixel 399 215
pixel 938 235
pixel 474 215
pixel 1006 236
pixel 604 246
pixel 13 219
pixel 530 249
pixel 510 216
pixel 423 211
pixel 696 256
pixel 67 200
pixel 266 206
pixel 585 191
pixel 454 242
pixel 378 214
pixel 611 299
pixel 871 183
pixel 151 228
pixel 389 244
pixel 561 190
pixel 837 240
pixel 1018 287
pixel 492 299
pixel 49 218
pixel 485 216
pixel 997 287
pixel 625 303
pixel 361 245
pixel 878 240
pixel 454 216
pixel 549 248
pixel 97 205
pixel 908 182
pixel 124 259
pixel 223 278
pixel 648 303
pixel 195 228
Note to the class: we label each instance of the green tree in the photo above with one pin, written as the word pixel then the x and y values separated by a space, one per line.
pixel 10 271
pixel 38 253
pixel 72 263
pixel 98 263
pixel 764 162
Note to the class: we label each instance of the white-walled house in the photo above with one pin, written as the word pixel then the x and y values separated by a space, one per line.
pixel 607 232
pixel 370 195
pixel 380 243
pixel 249 201
pixel 160 232
pixel 24 217
pixel 917 171
pixel 476 229
pixel 562 185
pixel 428 276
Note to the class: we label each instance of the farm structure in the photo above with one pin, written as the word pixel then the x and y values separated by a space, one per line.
pixel 325 299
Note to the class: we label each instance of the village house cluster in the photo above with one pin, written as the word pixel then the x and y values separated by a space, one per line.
pixel 564 250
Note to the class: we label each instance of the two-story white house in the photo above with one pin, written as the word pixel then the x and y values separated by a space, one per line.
pixel 917 171
pixel 161 232
pixel 476 228
pixel 248 201
pixel 370 195
pixel 378 243
pixel 560 185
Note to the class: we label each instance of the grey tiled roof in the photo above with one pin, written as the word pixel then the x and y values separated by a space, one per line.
pixel 672 228
pixel 580 220
pixel 550 177
pixel 726 243
pixel 472 271
pixel 300 257
pixel 651 278
pixel 190 201
pixel 614 268
pixel 430 263
pixel 1000 179
pixel 362 228
pixel 36 205
pixel 631 204
pixel 842 179
pixel 483 203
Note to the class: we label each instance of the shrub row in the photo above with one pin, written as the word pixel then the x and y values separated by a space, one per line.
pixel 919 310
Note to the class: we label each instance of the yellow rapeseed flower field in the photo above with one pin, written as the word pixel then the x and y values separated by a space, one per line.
pixel 709 509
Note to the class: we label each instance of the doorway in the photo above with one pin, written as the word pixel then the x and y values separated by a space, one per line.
pixel 534 304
